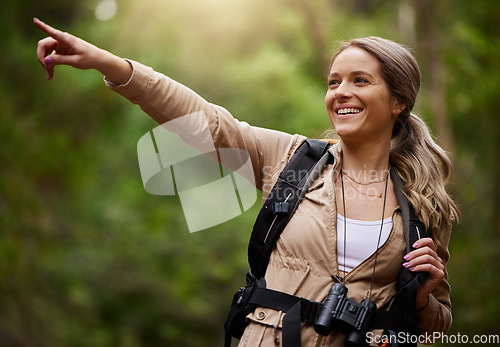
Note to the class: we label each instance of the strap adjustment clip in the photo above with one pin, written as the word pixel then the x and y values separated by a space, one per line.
pixel 280 207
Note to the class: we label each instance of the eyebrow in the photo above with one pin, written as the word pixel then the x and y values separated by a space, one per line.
pixel 353 73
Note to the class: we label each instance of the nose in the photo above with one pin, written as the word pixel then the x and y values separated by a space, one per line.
pixel 342 92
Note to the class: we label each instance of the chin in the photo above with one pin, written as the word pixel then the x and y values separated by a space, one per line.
pixel 346 132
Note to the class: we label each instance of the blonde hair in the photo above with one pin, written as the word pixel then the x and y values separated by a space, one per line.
pixel 419 160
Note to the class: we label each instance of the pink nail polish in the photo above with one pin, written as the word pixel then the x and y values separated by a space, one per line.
pixel 415 245
pixel 412 268
pixel 406 257
pixel 406 264
pixel 49 60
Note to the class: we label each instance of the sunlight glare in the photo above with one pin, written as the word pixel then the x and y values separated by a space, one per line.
pixel 105 10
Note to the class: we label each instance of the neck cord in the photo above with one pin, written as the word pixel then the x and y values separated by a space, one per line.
pixel 345 221
pixel 379 237
pixel 379 234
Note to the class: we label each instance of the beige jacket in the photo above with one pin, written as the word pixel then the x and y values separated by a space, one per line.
pixel 305 256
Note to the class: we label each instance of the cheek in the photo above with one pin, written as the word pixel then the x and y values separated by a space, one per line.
pixel 329 98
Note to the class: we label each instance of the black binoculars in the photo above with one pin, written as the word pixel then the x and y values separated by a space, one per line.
pixel 346 315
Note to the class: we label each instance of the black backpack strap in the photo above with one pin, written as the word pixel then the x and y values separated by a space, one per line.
pixel 297 310
pixel 413 228
pixel 408 282
pixel 303 168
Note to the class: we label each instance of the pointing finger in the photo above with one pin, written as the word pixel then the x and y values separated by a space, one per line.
pixel 53 32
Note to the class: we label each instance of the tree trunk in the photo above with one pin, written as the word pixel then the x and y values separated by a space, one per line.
pixel 429 38
pixel 315 14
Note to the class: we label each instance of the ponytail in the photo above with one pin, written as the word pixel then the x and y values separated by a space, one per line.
pixel 425 167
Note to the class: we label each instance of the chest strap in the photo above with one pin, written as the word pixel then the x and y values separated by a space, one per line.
pixel 300 310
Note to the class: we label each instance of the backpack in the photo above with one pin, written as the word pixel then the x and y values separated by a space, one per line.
pixel 304 167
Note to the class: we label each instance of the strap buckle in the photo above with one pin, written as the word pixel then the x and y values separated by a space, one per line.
pixel 281 207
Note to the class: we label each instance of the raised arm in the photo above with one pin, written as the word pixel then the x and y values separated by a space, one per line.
pixel 164 100
pixel 61 48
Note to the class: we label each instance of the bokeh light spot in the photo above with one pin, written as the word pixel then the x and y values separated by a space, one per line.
pixel 105 10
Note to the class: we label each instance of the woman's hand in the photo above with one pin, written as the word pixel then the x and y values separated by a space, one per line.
pixel 424 258
pixel 61 48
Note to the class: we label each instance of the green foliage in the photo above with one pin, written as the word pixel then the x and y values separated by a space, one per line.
pixel 88 258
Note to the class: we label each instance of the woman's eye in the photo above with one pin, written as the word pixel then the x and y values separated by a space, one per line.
pixel 361 80
pixel 333 83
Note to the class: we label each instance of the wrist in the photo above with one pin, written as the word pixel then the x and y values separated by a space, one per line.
pixel 116 70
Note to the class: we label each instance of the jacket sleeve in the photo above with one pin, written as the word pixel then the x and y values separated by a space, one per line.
pixel 436 316
pixel 165 100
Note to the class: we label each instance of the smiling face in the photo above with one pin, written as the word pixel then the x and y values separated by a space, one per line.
pixel 358 101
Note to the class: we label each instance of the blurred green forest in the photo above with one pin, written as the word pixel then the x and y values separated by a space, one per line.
pixel 89 259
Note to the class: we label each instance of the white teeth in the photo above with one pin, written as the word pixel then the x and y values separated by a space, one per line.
pixel 348 110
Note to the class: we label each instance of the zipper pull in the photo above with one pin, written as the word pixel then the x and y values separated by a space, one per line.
pixel 241 293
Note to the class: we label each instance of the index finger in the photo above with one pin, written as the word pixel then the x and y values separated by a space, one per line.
pixel 53 32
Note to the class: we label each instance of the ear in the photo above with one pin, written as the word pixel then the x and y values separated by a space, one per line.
pixel 397 107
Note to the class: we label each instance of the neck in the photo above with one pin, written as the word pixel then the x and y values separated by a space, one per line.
pixel 367 162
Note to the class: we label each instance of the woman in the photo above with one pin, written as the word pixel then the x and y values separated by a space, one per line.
pixel 352 208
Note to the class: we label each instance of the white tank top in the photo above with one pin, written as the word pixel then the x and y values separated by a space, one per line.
pixel 361 240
